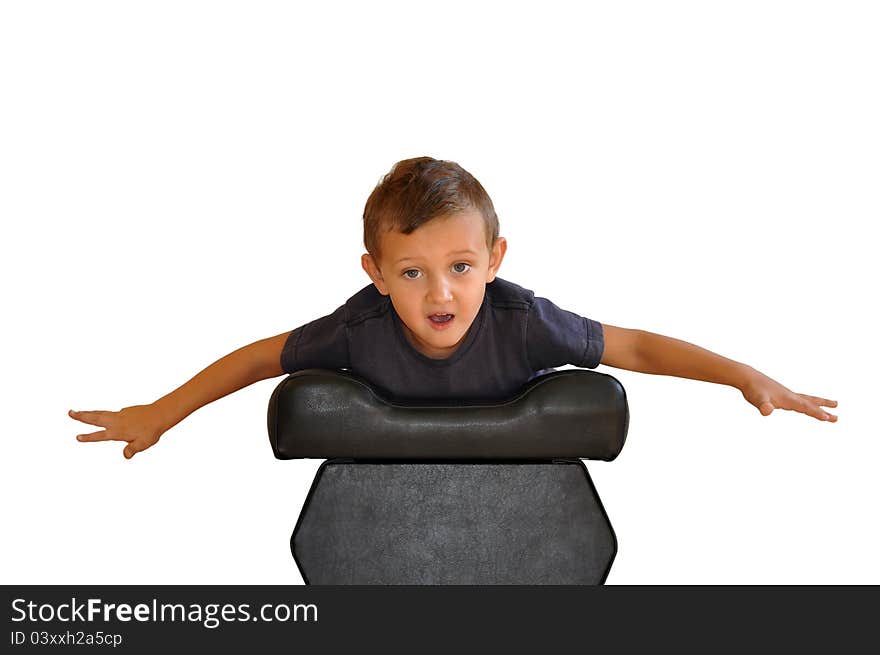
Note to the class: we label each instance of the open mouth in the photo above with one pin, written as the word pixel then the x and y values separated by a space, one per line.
pixel 441 318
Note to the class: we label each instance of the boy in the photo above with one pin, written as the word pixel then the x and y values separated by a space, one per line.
pixel 437 322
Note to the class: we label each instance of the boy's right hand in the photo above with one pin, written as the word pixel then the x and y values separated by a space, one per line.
pixel 139 425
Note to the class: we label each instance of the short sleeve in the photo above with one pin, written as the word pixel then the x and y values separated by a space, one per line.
pixel 323 343
pixel 555 337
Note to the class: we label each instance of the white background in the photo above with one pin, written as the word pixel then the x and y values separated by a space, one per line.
pixel 180 179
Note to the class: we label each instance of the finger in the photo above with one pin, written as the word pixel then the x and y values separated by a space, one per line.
pixel 823 402
pixel 805 407
pixel 816 404
pixel 825 416
pixel 99 418
pixel 766 408
pixel 101 435
pixel 133 448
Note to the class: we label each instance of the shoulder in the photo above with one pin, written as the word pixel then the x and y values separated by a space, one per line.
pixel 503 294
pixel 365 304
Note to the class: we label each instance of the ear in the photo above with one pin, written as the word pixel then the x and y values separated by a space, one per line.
pixel 495 257
pixel 369 265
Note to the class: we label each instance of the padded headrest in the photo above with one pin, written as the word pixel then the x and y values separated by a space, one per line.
pixel 575 413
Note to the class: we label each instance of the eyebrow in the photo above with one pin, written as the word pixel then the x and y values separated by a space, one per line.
pixel 457 252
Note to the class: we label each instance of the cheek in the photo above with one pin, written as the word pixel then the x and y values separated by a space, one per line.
pixel 407 305
pixel 475 296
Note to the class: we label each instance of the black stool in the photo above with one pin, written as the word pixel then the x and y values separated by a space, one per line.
pixel 432 493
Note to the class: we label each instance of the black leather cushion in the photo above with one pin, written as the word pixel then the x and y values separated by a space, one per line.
pixel 573 413
pixel 527 523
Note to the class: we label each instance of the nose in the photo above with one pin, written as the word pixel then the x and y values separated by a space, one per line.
pixel 439 291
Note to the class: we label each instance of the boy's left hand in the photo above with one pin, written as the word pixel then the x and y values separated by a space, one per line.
pixel 767 394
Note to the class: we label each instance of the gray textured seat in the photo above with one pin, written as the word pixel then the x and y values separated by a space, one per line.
pixel 436 493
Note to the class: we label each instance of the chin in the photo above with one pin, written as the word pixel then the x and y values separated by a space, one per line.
pixel 446 343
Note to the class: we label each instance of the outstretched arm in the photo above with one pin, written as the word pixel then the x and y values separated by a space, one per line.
pixel 646 352
pixel 142 425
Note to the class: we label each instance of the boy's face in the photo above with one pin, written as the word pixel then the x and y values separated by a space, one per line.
pixel 436 277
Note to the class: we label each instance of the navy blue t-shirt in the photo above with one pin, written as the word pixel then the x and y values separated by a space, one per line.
pixel 514 336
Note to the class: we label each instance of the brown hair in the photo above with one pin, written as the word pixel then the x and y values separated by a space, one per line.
pixel 418 190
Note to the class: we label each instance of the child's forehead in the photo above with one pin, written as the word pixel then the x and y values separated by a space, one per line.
pixel 455 234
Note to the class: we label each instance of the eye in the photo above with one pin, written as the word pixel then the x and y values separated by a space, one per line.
pixel 407 275
pixel 465 269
